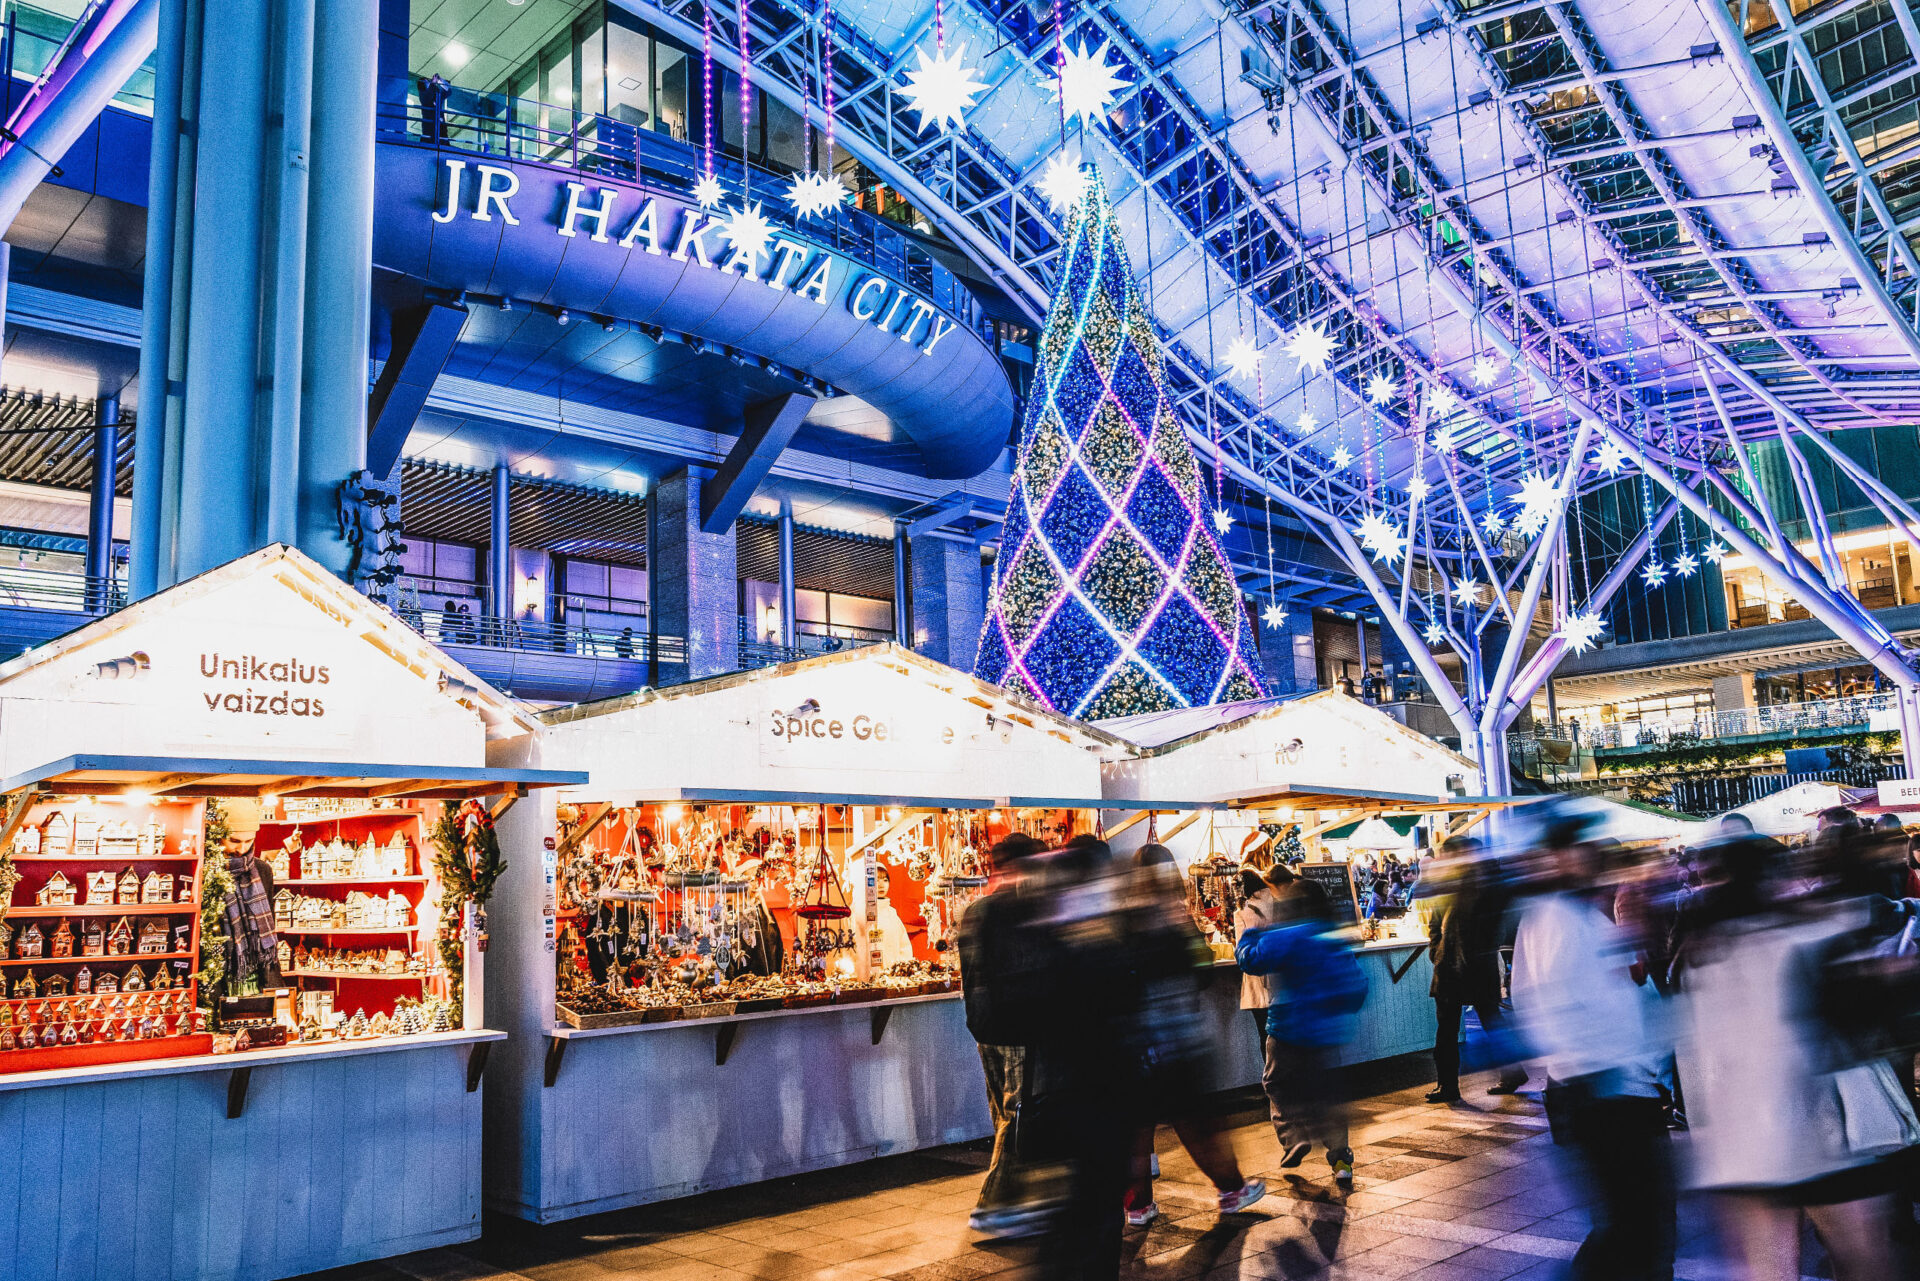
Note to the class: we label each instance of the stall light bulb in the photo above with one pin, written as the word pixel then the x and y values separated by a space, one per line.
pixel 139 798
pixel 269 801
pixel 894 814
pixel 843 966
pixel 674 813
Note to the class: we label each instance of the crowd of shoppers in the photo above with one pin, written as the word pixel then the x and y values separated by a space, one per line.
pixel 1764 1003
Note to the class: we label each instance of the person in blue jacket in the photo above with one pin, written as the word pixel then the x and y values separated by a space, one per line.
pixel 1315 992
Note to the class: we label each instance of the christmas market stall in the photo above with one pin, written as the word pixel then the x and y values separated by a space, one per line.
pixel 738 960
pixel 1298 780
pixel 248 839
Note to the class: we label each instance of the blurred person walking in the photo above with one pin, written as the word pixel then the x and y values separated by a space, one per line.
pixel 1577 1003
pixel 1464 932
pixel 1315 990
pixel 991 936
pixel 1795 1117
pixel 1171 1043
pixel 1259 907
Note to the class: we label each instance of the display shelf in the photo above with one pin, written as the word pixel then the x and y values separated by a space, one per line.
pixel 345 929
pixel 562 1032
pixel 106 858
pixel 105 909
pixel 352 880
pixel 358 974
pixel 204 1062
pixel 164 993
pixel 354 817
pixel 75 960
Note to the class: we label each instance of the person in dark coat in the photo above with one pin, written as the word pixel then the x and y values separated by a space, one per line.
pixel 1464 932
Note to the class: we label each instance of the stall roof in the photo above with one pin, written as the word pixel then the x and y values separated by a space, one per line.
pixel 1307 796
pixel 163 776
pixel 1157 729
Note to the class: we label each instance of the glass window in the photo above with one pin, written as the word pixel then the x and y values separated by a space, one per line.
pixel 673 90
pixel 861 614
pixel 592 78
pixel 629 98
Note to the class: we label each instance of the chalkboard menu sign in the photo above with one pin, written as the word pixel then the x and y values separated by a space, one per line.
pixel 1337 880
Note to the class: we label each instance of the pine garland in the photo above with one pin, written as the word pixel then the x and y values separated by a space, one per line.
pixel 466 857
pixel 216 887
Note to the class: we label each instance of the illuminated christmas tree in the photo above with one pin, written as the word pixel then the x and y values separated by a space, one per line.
pixel 1111 595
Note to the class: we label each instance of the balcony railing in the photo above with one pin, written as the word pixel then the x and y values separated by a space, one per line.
pixel 50 589
pixel 1779 718
pixel 814 638
pixel 495 124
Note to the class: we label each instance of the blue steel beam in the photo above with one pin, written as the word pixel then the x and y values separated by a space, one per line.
pixel 768 431
pixel 422 341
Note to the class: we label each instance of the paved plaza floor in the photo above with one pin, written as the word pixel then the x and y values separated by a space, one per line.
pixel 1472 1192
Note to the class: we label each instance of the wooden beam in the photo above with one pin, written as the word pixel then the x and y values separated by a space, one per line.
pixel 16 815
pixel 298 786
pixel 891 827
pixel 1130 820
pixel 506 802
pixel 1182 825
pixel 578 836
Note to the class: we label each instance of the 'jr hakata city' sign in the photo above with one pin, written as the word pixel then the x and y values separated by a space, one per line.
pixel 790 266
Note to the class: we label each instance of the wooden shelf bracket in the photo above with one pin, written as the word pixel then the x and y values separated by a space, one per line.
pixel 556 1050
pixel 237 1082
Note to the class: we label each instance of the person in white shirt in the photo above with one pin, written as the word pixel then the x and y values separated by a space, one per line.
pixel 1585 1018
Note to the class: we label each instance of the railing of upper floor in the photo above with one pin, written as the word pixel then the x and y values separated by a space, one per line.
pixel 814 638
pixel 493 124
pixel 1778 718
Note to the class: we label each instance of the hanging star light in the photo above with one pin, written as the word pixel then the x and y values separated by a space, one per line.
pixel 1484 371
pixel 1378 536
pixel 1493 523
pixel 1063 183
pixel 1714 551
pixel 1273 615
pixel 1443 438
pixel 1242 358
pixel 1434 633
pixel 1379 389
pixel 1684 564
pixel 1655 573
pixel 707 193
pixel 808 196
pixel 942 88
pixel 1306 422
pixel 1441 401
pixel 1580 631
pixel 1312 347
pixel 1222 520
pixel 1341 458
pixel 1085 84
pixel 749 231
pixel 832 189
pixel 1466 592
pixel 1538 497
pixel 1417 488
pixel 1611 457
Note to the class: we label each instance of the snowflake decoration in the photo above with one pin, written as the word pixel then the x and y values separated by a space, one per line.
pixel 1063 183
pixel 1655 573
pixel 1443 438
pixel 1312 347
pixel 1684 564
pixel 1580 631
pixel 1341 458
pixel 1611 457
pixel 1466 592
pixel 1222 520
pixel 1713 552
pixel 1378 536
pixel 1418 488
pixel 1085 83
pixel 1435 633
pixel 942 88
pixel 1379 389
pixel 1273 615
pixel 1306 422
pixel 808 194
pixel 1538 497
pixel 1493 523
pixel 1441 401
pixel 707 193
pixel 1484 371
pixel 1242 358
pixel 749 231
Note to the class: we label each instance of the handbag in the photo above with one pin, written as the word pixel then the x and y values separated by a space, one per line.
pixel 1876 1115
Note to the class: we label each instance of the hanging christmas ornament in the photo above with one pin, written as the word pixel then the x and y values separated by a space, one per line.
pixel 1441 401
pixel 1273 615
pixel 1684 564
pixel 1085 85
pixel 1466 592
pixel 1242 359
pixel 1062 183
pixel 706 192
pixel 1379 389
pixel 1378 536
pixel 1435 633
pixel 1493 523
pixel 1418 488
pixel 942 88
pixel 1714 551
pixel 1655 573
pixel 1484 371
pixel 1580 631
pixel 1342 457
pixel 1222 520
pixel 1610 457
pixel 1312 347
pixel 1306 422
pixel 1538 497
pixel 1443 438
pixel 748 230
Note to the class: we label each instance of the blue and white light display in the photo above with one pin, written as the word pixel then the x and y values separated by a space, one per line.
pixel 1111 596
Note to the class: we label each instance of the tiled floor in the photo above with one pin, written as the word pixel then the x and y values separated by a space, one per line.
pixel 1473 1192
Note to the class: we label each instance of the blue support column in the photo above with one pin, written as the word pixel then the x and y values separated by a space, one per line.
pixel 1287 660
pixel 949 603
pixel 500 545
pixel 693 584
pixel 789 596
pixel 902 609
pixel 106 458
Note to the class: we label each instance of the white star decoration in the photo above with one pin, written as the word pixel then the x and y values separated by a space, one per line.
pixel 1611 457
pixel 707 193
pixel 1684 564
pixel 804 194
pixel 1341 458
pixel 1378 536
pixel 1466 592
pixel 1713 552
pixel 1441 401
pixel 1443 438
pixel 1379 389
pixel 1581 631
pixel 1538 497
pixel 1655 573
pixel 1434 633
pixel 942 88
pixel 1085 83
pixel 1484 371
pixel 1417 488
pixel 1242 359
pixel 1273 615
pixel 1222 520
pixel 1306 422
pixel 748 230
pixel 1493 523
pixel 1311 347
pixel 1063 183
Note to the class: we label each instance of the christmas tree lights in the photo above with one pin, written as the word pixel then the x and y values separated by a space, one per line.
pixel 1111 596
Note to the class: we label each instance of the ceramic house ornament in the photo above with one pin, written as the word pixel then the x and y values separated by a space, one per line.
pixel 127 889
pixel 100 886
pixel 153 841
pixel 157 888
pixel 135 981
pixel 57 985
pixel 26 841
pixel 56 836
pixel 93 939
pixel 57 892
pixel 86 835
pixel 119 840
pixel 120 938
pixel 32 942
pixel 153 938
pixel 62 944
pixel 107 984
pixel 283 908
pixel 83 981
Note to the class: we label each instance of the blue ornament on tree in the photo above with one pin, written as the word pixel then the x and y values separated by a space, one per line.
pixel 1111 595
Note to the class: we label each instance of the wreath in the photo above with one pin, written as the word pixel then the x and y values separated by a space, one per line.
pixel 466 857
